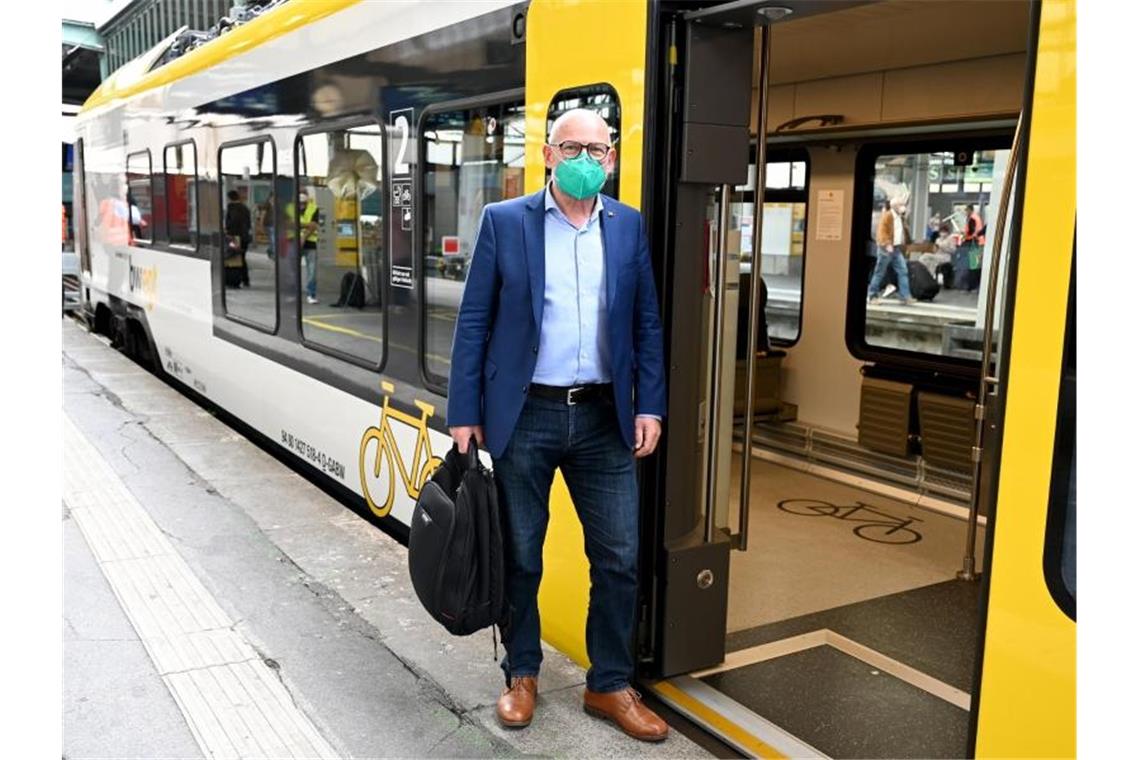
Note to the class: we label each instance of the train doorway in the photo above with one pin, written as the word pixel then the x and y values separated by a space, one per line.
pixel 825 506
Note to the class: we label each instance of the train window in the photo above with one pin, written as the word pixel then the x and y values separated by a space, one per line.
pixel 1060 561
pixel 923 247
pixel 781 247
pixel 140 197
pixel 180 164
pixel 249 262
pixel 338 217
pixel 603 99
pixel 80 213
pixel 469 158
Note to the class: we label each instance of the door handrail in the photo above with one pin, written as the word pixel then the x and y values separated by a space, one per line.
pixel 754 285
pixel 988 383
pixel 715 389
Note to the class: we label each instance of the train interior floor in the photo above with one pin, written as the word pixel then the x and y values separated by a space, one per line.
pixel 877 615
pixel 817 552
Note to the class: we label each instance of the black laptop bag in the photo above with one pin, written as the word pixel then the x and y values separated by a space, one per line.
pixel 455 547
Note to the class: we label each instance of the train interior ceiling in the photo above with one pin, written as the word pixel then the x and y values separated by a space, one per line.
pixel 864 408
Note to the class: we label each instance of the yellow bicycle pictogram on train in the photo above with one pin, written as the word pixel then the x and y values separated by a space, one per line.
pixel 387 457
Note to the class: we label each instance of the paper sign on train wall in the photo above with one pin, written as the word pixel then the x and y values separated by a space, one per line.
pixel 829 215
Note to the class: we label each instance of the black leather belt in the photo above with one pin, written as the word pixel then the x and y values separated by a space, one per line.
pixel 571 395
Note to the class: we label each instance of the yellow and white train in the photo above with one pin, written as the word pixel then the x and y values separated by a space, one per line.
pixel 888 568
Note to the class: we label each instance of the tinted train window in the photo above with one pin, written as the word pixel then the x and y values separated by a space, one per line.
pixel 469 158
pixel 603 99
pixel 924 256
pixel 1060 560
pixel 337 217
pixel 139 197
pixel 80 215
pixel 180 166
pixel 781 247
pixel 249 262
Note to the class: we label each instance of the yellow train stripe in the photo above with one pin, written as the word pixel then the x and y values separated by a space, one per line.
pixel 715 720
pixel 555 62
pixel 276 23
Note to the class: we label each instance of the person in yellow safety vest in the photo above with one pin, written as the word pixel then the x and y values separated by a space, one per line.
pixel 310 232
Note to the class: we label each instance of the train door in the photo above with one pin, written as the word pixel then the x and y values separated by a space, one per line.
pixel 837 263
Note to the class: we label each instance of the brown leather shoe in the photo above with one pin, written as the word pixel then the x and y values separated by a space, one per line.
pixel 626 709
pixel 516 705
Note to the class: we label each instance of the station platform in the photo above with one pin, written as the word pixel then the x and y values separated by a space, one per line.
pixel 218 604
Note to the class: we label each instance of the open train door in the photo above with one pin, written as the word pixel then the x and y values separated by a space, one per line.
pixel 712 93
pixel 716 84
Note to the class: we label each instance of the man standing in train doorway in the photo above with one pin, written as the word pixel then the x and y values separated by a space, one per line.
pixel 557 363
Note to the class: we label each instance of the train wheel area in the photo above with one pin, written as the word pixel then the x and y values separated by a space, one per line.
pixel 229 607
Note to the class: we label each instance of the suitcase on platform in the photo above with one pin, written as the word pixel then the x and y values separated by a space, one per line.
pixel 351 290
pixel 923 286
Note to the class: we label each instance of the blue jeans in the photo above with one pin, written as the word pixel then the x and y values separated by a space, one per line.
pixel 310 256
pixel 895 259
pixel 584 442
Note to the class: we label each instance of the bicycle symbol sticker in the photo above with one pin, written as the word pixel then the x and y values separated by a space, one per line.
pixel 874 525
pixel 381 459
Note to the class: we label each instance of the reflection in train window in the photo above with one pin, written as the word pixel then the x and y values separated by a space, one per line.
pixel 470 158
pixel 180 166
pixel 603 100
pixel 248 261
pixel 929 247
pixel 781 245
pixel 139 197
pixel 338 217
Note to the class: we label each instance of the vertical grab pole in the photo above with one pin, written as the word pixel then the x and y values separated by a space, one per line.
pixel 754 289
pixel 717 359
pixel 987 383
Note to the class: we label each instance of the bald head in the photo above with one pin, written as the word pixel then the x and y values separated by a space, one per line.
pixel 581 125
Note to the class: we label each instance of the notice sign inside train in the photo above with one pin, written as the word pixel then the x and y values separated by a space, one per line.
pixel 829 215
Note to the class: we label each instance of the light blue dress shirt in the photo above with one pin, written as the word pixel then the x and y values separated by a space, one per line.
pixel 573 347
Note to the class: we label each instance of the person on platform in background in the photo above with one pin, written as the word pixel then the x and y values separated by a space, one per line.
pixel 239 226
pixel 890 239
pixel 944 245
pixel 138 223
pixel 268 223
pixel 932 227
pixel 558 364
pixel 310 227
pixel 975 242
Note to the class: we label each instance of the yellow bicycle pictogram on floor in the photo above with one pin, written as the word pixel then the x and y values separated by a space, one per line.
pixel 387 456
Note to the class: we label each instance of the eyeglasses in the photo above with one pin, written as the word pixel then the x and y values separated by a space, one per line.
pixel 572 149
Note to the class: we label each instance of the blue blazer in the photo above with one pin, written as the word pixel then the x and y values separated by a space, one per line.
pixel 496 334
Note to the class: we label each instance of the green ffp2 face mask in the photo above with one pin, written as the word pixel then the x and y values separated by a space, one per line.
pixel 580 177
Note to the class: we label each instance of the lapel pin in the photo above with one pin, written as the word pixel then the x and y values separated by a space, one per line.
pixel 609 213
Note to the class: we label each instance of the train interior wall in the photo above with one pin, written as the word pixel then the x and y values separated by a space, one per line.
pixel 906 65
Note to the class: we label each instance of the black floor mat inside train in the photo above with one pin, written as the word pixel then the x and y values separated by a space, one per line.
pixel 846 708
pixel 932 629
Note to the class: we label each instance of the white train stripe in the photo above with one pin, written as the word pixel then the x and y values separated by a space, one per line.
pixel 233 703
